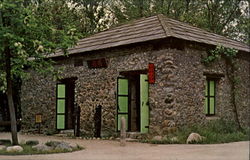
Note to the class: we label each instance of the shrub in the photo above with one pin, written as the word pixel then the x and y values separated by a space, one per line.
pixel 32 142
pixel 216 131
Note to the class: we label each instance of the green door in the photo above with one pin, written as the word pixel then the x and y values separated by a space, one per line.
pixel 144 104
pixel 122 101
pixel 60 106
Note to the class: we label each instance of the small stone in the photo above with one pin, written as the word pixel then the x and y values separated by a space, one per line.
pixel 168 112
pixel 194 138
pixel 14 149
pixel 157 138
pixel 52 143
pixel 42 147
pixel 64 146
pixel 2 147
pixel 165 123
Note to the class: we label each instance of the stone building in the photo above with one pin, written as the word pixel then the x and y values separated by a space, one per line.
pixel 149 71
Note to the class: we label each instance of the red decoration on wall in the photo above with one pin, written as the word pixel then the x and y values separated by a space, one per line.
pixel 97 63
pixel 151 73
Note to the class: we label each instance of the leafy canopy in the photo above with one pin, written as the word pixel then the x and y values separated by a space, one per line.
pixel 33 30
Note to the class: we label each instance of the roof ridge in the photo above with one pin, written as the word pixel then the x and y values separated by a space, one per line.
pixel 164 25
pixel 167 28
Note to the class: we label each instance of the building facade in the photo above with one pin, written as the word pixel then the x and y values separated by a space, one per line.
pixel 150 71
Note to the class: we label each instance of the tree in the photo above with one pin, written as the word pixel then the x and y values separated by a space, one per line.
pixel 30 29
pixel 95 15
pixel 225 17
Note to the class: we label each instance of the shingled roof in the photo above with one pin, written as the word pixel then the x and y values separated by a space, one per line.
pixel 151 28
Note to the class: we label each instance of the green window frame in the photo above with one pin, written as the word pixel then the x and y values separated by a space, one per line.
pixel 60 106
pixel 210 97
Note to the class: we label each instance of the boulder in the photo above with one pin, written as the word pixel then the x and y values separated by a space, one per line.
pixel 2 147
pixel 74 145
pixel 42 147
pixel 157 138
pixel 194 138
pixel 14 149
pixel 63 146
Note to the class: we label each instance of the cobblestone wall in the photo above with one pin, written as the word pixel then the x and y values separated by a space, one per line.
pixel 176 98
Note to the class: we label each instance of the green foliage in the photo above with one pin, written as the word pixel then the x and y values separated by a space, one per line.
pixel 218 52
pixel 31 31
pixel 5 142
pixel 32 142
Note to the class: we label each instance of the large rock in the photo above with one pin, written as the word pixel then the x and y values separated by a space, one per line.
pixel 42 147
pixel 14 149
pixel 194 138
pixel 63 146
pixel 74 145
pixel 2 147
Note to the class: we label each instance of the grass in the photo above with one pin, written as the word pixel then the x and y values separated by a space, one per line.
pixel 217 131
pixel 27 150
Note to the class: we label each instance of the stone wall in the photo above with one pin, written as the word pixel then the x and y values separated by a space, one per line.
pixel 38 97
pixel 176 98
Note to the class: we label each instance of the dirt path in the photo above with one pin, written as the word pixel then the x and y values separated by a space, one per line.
pixel 110 150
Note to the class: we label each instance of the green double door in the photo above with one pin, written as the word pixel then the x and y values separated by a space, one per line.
pixel 123 102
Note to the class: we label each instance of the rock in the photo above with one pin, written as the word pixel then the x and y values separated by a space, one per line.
pixel 74 145
pixel 194 138
pixel 2 147
pixel 14 149
pixel 63 146
pixel 53 143
pixel 42 147
pixel 157 138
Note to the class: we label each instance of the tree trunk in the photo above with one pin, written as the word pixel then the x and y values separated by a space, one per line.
pixel 10 98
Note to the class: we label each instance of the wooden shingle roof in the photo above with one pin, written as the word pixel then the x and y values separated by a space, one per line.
pixel 151 28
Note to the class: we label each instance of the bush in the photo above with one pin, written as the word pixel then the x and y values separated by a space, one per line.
pixel 216 131
pixel 5 142
pixel 32 142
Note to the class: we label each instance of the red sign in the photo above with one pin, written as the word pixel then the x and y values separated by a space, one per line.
pixel 151 73
pixel 97 63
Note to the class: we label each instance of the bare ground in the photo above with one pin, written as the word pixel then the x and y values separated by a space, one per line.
pixel 111 150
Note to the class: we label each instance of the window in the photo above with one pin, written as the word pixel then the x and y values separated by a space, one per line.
pixel 210 97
